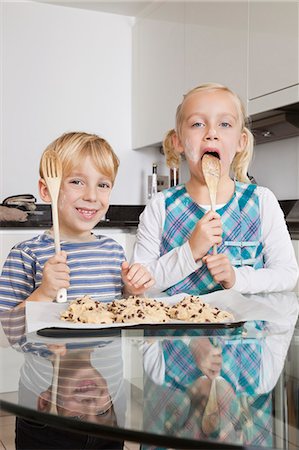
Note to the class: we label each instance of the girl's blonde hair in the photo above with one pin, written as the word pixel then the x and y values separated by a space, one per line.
pixel 173 158
pixel 74 147
pixel 242 159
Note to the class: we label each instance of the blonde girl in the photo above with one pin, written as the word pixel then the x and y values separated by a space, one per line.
pixel 177 229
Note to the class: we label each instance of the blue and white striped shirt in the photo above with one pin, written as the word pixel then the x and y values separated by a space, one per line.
pixel 95 268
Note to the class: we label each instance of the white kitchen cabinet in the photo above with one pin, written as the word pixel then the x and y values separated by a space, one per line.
pixel 296 248
pixel 216 44
pixel 158 72
pixel 178 46
pixel 273 57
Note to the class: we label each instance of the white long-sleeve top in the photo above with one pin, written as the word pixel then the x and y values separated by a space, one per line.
pixel 280 271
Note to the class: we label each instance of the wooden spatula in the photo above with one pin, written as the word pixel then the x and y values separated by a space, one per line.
pixel 53 408
pixel 211 168
pixel 52 172
pixel 211 417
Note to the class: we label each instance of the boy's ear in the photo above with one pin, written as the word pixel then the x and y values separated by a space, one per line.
pixel 43 191
pixel 43 401
pixel 176 142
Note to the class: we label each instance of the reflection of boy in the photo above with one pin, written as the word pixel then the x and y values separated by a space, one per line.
pixel 87 264
pixel 89 388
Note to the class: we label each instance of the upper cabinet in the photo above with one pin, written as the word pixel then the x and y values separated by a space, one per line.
pixel 273 56
pixel 216 44
pixel 158 72
pixel 178 46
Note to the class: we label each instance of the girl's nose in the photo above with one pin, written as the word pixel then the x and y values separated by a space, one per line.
pixel 211 133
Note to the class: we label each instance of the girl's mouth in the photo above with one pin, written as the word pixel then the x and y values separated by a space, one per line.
pixel 87 213
pixel 212 153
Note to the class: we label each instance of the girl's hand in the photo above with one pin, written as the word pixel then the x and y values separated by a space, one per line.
pixel 221 269
pixel 207 357
pixel 137 278
pixel 56 275
pixel 208 232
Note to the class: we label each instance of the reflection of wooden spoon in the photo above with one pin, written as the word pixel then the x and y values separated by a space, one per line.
pixel 211 168
pixel 53 409
pixel 211 417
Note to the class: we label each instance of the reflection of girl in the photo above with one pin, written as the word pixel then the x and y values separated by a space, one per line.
pixel 89 388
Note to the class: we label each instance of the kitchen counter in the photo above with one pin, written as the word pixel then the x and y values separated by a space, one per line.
pixel 118 216
pixel 156 404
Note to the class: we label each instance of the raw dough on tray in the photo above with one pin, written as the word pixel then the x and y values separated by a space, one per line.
pixel 193 309
pixel 141 309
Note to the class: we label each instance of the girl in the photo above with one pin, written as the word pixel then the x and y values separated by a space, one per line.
pixel 177 229
pixel 88 264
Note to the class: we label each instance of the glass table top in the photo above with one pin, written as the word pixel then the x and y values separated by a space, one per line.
pixel 178 387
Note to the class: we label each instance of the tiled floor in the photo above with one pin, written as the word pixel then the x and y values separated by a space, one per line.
pixel 7 426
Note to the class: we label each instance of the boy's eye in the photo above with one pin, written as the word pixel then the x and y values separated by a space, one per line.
pixel 105 185
pixel 76 182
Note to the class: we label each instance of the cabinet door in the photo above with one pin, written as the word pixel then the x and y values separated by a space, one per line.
pixel 296 248
pixel 158 68
pixel 9 238
pixel 273 47
pixel 216 44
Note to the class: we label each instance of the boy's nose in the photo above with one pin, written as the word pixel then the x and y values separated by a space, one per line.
pixel 90 194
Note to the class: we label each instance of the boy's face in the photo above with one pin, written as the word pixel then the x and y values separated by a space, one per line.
pixel 83 200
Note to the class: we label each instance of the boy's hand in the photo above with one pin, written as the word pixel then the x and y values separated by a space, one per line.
pixel 137 278
pixel 56 275
pixel 221 269
pixel 208 232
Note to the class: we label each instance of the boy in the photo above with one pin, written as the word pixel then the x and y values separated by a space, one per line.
pixel 87 264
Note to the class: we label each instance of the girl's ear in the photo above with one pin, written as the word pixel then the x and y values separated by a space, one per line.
pixel 43 191
pixel 242 142
pixel 176 142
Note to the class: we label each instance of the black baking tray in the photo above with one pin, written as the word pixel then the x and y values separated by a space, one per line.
pixel 114 331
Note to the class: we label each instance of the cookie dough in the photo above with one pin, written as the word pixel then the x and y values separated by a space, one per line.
pixel 193 309
pixel 141 309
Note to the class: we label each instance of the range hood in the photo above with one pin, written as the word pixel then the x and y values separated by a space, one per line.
pixel 276 124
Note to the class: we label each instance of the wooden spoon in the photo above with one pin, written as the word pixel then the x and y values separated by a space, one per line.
pixel 211 417
pixel 52 173
pixel 211 168
pixel 53 408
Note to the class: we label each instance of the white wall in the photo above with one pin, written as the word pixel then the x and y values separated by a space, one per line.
pixel 66 69
pixel 275 165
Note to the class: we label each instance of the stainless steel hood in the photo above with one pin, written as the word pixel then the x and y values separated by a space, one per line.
pixel 276 124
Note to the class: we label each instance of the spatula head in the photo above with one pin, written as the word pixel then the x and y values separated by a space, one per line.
pixel 51 165
pixel 211 165
pixel 211 168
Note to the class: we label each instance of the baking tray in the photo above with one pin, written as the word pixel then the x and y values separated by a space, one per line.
pixel 44 318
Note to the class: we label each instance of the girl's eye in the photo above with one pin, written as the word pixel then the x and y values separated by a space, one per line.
pixel 198 125
pixel 225 125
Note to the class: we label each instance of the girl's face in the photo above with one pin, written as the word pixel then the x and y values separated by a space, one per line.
pixel 210 124
pixel 83 200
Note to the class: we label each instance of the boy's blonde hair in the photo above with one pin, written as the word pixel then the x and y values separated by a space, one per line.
pixel 242 159
pixel 74 147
